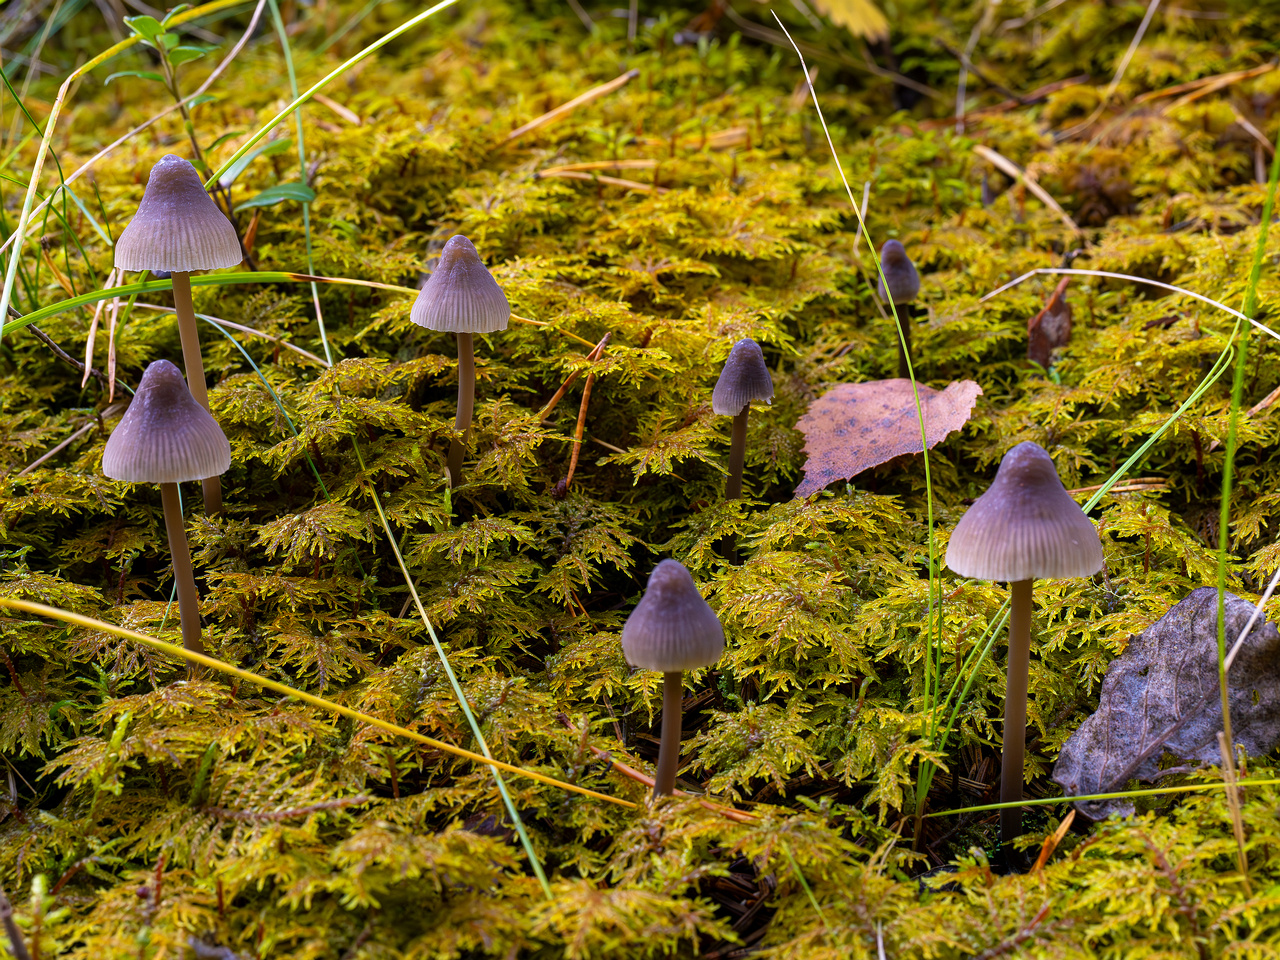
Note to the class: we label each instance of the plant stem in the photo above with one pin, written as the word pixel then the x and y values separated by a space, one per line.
pixel 183 575
pixel 194 365
pixel 1015 709
pixel 903 312
pixel 733 486
pixel 664 782
pixel 466 405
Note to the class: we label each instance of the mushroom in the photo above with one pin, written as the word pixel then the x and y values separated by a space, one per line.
pixel 1025 526
pixel 900 284
pixel 165 437
pixel 671 629
pixel 177 229
pixel 743 379
pixel 461 297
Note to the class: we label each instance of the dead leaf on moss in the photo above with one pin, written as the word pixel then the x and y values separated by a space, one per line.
pixel 1161 695
pixel 857 426
pixel 1051 327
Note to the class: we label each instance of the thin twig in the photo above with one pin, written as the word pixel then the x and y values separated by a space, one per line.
pixel 1015 171
pixel 1085 124
pixel 577 433
pixel 566 108
pixel 19 948
pixel 106 414
pixel 243 329
pixel 592 357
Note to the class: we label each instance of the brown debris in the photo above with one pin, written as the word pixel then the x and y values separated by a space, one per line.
pixel 1051 327
pixel 857 426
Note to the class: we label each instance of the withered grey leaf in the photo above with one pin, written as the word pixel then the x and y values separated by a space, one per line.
pixel 1161 695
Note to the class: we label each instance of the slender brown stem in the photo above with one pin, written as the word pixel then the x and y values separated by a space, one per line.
pixel 664 781
pixel 183 575
pixel 194 365
pixel 904 323
pixel 733 486
pixel 466 405
pixel 1015 709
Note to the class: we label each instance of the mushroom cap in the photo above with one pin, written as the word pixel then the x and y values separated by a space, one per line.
pixel 165 436
pixel 900 274
pixel 672 628
pixel 1025 526
pixel 743 379
pixel 178 227
pixel 461 295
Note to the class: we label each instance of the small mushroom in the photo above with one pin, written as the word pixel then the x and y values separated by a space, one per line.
pixel 461 297
pixel 901 285
pixel 671 629
pixel 744 378
pixel 1025 526
pixel 176 230
pixel 165 437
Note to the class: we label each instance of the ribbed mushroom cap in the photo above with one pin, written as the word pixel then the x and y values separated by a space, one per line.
pixel 1025 526
pixel 672 628
pixel 900 274
pixel 178 227
pixel 461 295
pixel 165 436
pixel 743 379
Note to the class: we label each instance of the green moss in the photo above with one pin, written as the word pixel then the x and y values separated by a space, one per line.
pixel 148 808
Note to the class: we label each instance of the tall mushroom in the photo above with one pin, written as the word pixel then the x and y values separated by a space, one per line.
pixel 461 297
pixel 671 629
pixel 165 437
pixel 1026 526
pixel 744 378
pixel 900 284
pixel 178 229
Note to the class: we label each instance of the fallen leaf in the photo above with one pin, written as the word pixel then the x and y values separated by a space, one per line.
pixel 857 426
pixel 1161 695
pixel 862 18
pixel 1051 327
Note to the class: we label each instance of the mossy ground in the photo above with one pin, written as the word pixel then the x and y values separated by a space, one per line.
pixel 149 814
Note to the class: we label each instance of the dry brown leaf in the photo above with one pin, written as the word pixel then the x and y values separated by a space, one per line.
pixel 1051 327
pixel 858 426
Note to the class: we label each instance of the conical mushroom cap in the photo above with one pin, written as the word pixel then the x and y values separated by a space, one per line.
pixel 461 295
pixel 672 628
pixel 178 227
pixel 900 274
pixel 743 379
pixel 165 436
pixel 1025 526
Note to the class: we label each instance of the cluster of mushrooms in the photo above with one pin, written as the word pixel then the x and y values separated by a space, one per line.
pixel 1025 527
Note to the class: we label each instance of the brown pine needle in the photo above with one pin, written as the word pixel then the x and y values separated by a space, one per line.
pixel 1051 842
pixel 567 108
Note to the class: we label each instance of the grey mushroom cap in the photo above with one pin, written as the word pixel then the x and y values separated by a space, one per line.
pixel 178 228
pixel 672 628
pixel 461 295
pixel 1026 526
pixel 744 378
pixel 165 436
pixel 900 274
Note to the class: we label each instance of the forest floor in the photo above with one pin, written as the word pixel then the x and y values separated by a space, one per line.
pixel 647 192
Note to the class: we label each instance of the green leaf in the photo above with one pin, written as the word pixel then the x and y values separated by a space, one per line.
pixel 168 40
pixel 173 13
pixel 281 191
pixel 265 150
pixel 146 27
pixel 144 74
pixel 203 98
pixel 185 54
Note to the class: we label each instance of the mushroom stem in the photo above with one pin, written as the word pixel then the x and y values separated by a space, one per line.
pixel 903 310
pixel 1015 709
pixel 733 486
pixel 183 575
pixel 466 405
pixel 194 367
pixel 664 782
